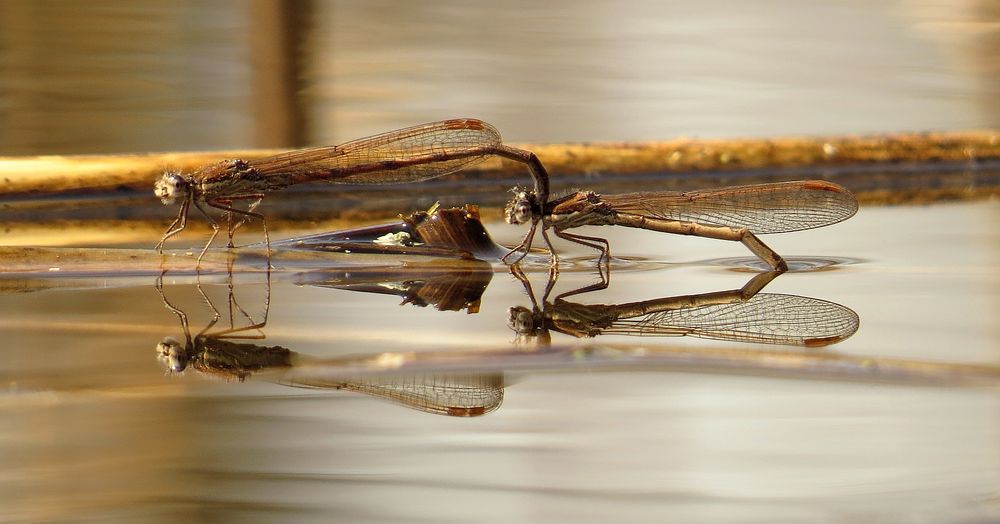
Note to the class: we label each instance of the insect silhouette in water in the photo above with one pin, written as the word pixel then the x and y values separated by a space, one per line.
pixel 739 315
pixel 230 354
pixel 224 352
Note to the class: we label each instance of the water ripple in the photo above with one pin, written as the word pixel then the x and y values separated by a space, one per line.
pixel 795 264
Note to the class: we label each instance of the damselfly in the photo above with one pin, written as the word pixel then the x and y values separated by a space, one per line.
pixel 737 213
pixel 407 155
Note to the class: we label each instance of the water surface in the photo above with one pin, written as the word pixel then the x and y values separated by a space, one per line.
pixel 577 436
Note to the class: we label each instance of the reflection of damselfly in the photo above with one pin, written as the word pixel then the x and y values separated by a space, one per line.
pixel 227 354
pixel 407 155
pixel 733 213
pixel 218 352
pixel 739 315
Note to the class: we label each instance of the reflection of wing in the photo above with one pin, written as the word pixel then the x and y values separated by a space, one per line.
pixel 466 395
pixel 761 208
pixel 765 319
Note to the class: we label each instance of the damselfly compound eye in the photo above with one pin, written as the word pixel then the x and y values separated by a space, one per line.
pixel 518 211
pixel 520 320
pixel 169 188
pixel 523 212
pixel 172 354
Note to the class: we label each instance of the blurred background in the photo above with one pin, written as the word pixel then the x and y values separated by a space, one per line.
pixel 106 76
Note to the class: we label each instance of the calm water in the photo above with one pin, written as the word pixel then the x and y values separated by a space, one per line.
pixel 898 422
pixel 95 427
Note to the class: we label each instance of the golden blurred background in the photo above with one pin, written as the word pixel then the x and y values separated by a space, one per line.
pixel 157 75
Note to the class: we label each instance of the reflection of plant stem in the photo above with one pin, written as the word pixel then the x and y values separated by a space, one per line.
pixel 446 290
pixel 805 364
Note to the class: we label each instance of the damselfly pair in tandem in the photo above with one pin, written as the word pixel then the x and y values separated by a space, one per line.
pixel 440 148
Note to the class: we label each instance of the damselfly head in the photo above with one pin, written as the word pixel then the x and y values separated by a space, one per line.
pixel 521 320
pixel 171 352
pixel 169 187
pixel 521 208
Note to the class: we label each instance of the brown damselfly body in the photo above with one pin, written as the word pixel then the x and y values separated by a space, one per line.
pixel 737 213
pixel 413 154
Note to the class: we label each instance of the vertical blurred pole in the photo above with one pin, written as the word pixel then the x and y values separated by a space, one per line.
pixel 276 27
pixel 987 56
